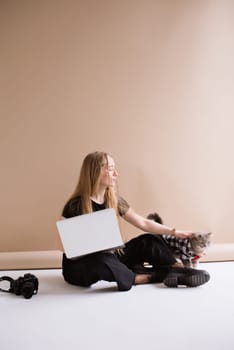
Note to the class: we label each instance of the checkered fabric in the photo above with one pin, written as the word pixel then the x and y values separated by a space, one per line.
pixel 181 247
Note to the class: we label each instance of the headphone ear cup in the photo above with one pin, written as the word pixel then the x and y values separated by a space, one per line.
pixel 17 286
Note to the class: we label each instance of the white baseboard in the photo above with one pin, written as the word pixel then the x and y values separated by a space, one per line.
pixel 52 259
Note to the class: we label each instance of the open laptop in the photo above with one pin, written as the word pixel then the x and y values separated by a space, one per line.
pixel 89 233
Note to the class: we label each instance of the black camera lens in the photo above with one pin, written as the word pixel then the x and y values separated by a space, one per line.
pixel 27 290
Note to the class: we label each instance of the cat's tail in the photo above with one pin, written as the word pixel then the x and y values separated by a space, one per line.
pixel 155 217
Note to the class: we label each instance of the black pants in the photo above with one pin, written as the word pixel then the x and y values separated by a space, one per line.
pixel 148 248
pixel 95 267
pixel 117 267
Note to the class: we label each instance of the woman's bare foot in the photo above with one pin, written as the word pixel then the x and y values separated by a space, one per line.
pixel 178 264
pixel 142 279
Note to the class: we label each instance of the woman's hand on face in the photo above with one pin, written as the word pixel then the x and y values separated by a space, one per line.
pixel 183 234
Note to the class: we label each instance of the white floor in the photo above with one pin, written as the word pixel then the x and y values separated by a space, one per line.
pixel 62 316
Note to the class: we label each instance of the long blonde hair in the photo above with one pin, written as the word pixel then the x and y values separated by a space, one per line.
pixel 89 179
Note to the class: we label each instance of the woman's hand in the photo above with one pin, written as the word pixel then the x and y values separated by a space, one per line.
pixel 182 234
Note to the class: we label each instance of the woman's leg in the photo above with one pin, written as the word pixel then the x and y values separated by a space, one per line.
pixel 147 248
pixel 95 267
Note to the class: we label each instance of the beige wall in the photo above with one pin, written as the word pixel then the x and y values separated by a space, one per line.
pixel 149 81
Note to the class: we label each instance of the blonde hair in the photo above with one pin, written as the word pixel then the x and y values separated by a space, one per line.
pixel 89 179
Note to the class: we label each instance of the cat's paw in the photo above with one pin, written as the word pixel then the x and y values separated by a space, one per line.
pixel 178 264
pixel 195 264
pixel 188 264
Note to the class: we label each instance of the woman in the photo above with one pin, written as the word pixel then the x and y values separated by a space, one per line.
pixel 96 190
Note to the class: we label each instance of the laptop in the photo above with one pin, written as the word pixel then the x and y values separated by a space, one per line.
pixel 89 233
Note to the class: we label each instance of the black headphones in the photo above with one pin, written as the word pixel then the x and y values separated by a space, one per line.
pixel 26 285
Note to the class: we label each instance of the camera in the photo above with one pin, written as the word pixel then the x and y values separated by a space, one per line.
pixel 25 286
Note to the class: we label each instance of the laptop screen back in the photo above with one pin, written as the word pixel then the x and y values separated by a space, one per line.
pixel 89 233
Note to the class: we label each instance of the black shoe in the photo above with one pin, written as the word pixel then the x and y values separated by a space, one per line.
pixel 186 277
pixel 159 274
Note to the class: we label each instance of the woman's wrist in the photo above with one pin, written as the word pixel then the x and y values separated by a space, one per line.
pixel 169 231
pixel 173 232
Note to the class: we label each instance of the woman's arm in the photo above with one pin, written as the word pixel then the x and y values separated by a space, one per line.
pixel 151 226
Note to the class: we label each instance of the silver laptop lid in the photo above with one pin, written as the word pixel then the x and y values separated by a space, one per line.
pixel 89 233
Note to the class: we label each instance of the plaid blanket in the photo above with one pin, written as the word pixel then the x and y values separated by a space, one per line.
pixel 181 247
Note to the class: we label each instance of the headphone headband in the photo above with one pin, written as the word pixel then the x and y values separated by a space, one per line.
pixel 9 279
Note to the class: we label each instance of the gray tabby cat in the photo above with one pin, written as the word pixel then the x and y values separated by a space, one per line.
pixel 187 250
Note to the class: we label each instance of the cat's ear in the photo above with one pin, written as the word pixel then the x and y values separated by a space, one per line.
pixel 209 234
pixel 196 235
